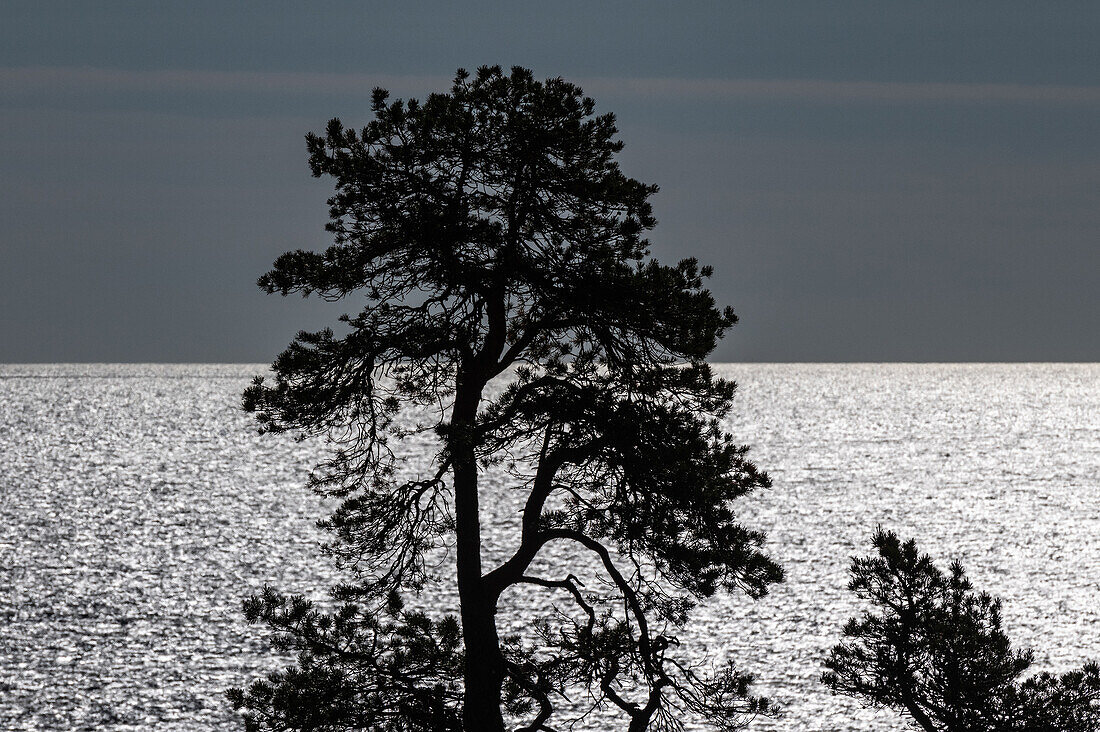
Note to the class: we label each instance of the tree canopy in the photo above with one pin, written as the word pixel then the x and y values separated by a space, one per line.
pixel 934 648
pixel 482 233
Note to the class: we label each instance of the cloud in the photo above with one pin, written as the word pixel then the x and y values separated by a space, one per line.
pixel 19 81
pixel 48 79
pixel 819 90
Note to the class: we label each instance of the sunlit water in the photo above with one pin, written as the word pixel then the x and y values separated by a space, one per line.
pixel 138 508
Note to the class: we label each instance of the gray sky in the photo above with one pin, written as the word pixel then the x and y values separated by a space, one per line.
pixel 873 181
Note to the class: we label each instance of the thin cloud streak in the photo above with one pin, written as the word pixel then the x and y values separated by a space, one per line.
pixel 824 91
pixel 39 79
pixel 76 80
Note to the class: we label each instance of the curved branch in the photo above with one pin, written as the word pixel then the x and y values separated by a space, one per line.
pixel 532 538
pixel 570 585
pixel 647 649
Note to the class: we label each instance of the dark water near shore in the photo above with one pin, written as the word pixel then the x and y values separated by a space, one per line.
pixel 138 508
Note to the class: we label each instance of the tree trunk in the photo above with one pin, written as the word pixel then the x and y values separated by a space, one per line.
pixel 918 715
pixel 484 667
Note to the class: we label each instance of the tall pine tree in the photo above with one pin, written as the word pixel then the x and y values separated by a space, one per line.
pixel 489 232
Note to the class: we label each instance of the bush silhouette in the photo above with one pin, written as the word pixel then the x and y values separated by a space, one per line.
pixel 933 648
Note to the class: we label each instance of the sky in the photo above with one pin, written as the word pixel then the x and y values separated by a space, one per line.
pixel 872 181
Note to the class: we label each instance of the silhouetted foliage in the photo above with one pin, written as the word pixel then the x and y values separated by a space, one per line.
pixel 490 233
pixel 933 648
pixel 396 670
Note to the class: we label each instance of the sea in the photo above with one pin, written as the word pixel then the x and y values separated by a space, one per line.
pixel 139 507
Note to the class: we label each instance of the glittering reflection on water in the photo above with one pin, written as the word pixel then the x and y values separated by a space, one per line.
pixel 139 508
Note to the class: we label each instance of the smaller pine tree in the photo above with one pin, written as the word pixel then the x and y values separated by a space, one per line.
pixel 933 648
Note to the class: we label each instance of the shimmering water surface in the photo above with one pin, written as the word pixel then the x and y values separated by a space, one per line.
pixel 138 508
